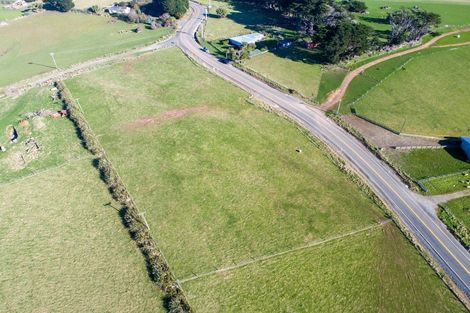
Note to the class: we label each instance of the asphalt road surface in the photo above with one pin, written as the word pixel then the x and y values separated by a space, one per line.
pixel 413 210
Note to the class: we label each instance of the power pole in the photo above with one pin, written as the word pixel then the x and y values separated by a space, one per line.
pixel 53 59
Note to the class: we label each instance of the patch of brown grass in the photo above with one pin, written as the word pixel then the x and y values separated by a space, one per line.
pixel 164 116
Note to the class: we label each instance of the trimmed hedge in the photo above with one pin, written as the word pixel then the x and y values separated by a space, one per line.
pixel 157 266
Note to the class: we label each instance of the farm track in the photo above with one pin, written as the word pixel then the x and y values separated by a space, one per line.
pixel 336 96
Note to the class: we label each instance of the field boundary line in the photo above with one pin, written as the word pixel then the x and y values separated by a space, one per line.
pixel 380 82
pixel 278 254
pixel 47 169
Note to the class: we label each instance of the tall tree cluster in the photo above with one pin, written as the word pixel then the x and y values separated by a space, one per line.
pixel 332 25
pixel 411 24
pixel 59 5
pixel 176 8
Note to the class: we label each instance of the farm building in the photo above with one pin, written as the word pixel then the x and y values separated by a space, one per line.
pixel 116 9
pixel 246 39
pixel 466 146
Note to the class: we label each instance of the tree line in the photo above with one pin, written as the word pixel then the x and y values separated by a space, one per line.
pixel 333 26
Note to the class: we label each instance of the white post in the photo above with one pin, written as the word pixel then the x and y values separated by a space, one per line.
pixel 53 59
pixel 339 106
pixel 145 220
pixel 78 102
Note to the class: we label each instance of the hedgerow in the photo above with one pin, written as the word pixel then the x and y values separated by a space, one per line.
pixel 157 266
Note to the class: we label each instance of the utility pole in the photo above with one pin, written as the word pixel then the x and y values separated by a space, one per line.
pixel 53 59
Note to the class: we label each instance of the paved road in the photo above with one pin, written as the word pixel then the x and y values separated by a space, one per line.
pixel 414 211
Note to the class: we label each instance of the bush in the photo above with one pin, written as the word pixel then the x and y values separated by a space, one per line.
pixel 94 9
pixel 59 5
pixel 221 12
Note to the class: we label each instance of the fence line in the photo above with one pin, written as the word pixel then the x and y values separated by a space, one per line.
pixel 271 256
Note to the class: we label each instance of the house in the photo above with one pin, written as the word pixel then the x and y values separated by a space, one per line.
pixel 116 9
pixel 465 144
pixel 246 39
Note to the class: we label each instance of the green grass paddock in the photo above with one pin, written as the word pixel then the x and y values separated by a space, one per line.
pixel 220 182
pixel 72 37
pixel 426 96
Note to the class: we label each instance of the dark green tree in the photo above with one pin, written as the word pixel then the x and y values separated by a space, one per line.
pixel 59 5
pixel 176 8
pixel 346 39
pixel 411 24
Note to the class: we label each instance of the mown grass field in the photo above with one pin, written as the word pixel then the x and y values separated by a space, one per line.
pixel 63 249
pixel 461 209
pixel 56 146
pixel 73 37
pixel 221 182
pixel 422 164
pixel 423 93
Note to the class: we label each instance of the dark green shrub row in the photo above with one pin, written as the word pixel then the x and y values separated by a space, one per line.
pixel 455 226
pixel 157 265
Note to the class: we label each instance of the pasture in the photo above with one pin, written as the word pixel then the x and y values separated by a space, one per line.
pixel 453 13
pixel 461 38
pixel 359 273
pixel 63 248
pixel 439 170
pixel 460 208
pixel 7 14
pixel 222 181
pixel 55 146
pixel 85 4
pixel 423 93
pixel 72 37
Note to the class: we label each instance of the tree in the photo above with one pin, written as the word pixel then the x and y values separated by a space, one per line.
pixel 176 8
pixel 355 6
pixel 94 9
pixel 346 39
pixel 411 24
pixel 221 12
pixel 59 5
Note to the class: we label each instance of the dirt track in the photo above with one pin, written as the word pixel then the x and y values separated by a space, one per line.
pixel 338 94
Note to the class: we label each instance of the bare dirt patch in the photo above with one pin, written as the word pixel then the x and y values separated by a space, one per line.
pixel 164 116
pixel 383 138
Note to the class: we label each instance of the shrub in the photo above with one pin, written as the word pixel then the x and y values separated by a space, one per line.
pixel 59 5
pixel 221 12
